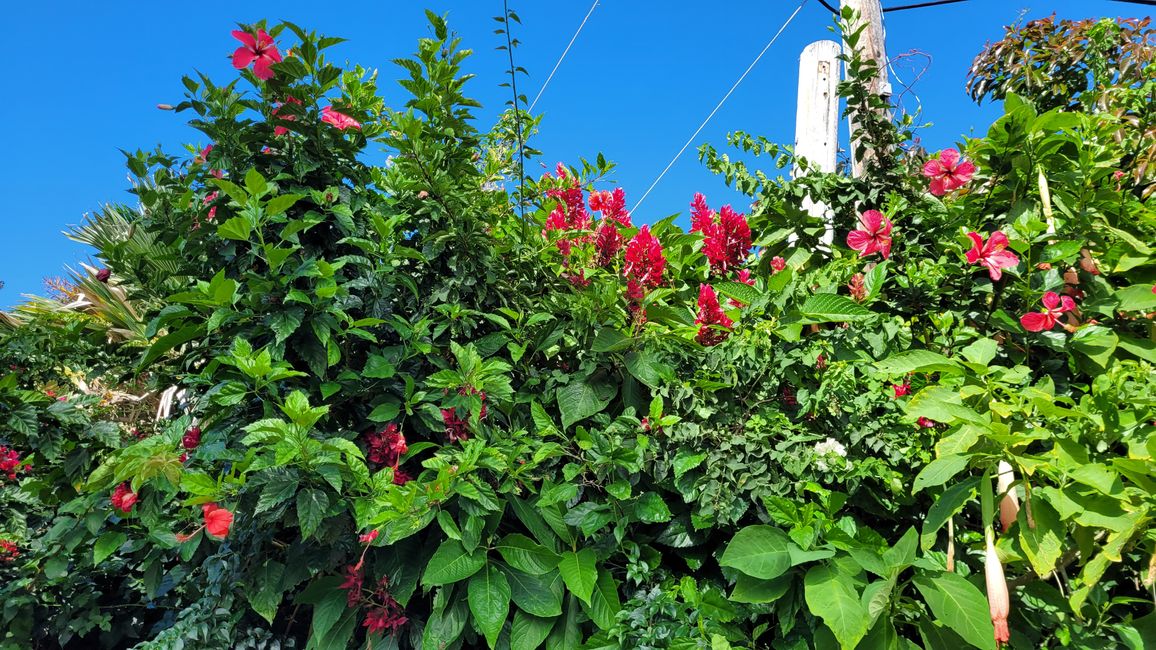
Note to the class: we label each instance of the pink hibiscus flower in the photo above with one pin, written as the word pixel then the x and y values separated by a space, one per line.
pixel 1046 318
pixel 339 120
pixel 948 172
pixel 259 50
pixel 873 237
pixel 993 255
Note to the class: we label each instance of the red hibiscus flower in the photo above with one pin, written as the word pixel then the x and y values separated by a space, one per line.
pixel 259 50
pixel 123 498
pixel 993 254
pixel 10 462
pixel 192 438
pixel 1046 318
pixel 386 447
pixel 714 325
pixel 339 120
pixel 217 520
pixel 873 237
pixel 368 537
pixel 926 423
pixel 948 172
pixel 901 389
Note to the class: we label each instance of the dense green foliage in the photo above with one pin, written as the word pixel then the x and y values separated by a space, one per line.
pixel 576 469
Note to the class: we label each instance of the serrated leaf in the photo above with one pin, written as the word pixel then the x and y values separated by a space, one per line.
pixel 580 399
pixel 833 308
pixel 311 507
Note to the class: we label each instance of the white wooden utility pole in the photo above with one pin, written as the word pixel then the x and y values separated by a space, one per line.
pixel 871 46
pixel 817 120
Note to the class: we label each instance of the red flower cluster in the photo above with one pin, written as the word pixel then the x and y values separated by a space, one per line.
pixel 8 551
pixel 1046 319
pixel 948 172
pixel 386 447
pixel 607 242
pixel 777 264
pixel 259 50
pixel 714 325
pixel 612 205
pixel 857 287
pixel 339 120
pixel 281 130
pixel 727 240
pixel 873 237
pixel 645 261
pixel 123 498
pixel 570 213
pixel 10 462
pixel 457 429
pixel 901 389
pixel 385 613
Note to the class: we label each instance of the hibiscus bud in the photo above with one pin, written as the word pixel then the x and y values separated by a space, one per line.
pixel 999 603
pixel 422 194
pixel 1009 506
pixel 103 275
pixel 1044 266
pixel 165 107
pixel 1071 277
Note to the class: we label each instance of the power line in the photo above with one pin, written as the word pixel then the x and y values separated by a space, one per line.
pixel 564 52
pixel 719 105
pixel 936 3
pixel 1150 3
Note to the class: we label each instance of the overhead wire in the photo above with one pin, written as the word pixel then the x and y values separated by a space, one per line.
pixel 564 53
pixel 719 105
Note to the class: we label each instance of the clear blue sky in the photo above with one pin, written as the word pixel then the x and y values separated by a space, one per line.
pixel 84 78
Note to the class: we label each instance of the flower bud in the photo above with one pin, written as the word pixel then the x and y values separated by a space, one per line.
pixel 165 107
pixel 1009 506
pixel 999 603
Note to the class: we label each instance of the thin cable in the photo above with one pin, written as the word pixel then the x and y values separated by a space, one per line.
pixel 921 5
pixel 719 105
pixel 564 52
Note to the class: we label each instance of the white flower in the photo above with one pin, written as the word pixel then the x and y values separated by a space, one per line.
pixel 828 448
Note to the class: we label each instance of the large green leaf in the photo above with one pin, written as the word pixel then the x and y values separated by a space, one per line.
pixel 831 596
pixel 311 508
pixel 959 605
pixel 949 503
pixel 1043 544
pixel 758 551
pixel 582 398
pixel 540 595
pixel 528 631
pixel 489 598
pixel 939 471
pixel 917 361
pixel 757 590
pixel 450 563
pixel 833 308
pixel 524 554
pixel 579 573
pixel 647 368
pixel 604 602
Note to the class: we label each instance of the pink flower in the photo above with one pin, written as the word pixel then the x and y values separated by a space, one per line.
pixel 778 264
pixel 259 51
pixel 192 438
pixel 901 389
pixel 727 241
pixel 209 198
pixel 10 462
pixel 123 498
pixel 998 600
pixel 368 537
pixel 607 242
pixel 217 520
pixel 948 172
pixel 714 325
pixel 857 288
pixel 993 255
pixel 612 205
pixel 339 120
pixel 645 261
pixel 1046 318
pixel 874 236
pixel 281 130
pixel 103 275
pixel 926 423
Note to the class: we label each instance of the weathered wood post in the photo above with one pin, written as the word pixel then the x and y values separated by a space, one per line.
pixel 871 45
pixel 817 119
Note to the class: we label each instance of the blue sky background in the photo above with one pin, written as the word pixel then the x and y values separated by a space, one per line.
pixel 83 80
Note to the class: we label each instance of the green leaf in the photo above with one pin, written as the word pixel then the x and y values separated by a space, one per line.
pixel 757 590
pixel 528 632
pixel 329 609
pixel 610 340
pixel 651 509
pixel 1044 544
pixel 1059 251
pixel 537 595
pixel 648 369
pixel 831 596
pixel 279 204
pixel 832 308
pixel 1098 343
pixel 981 351
pixel 376 367
pixel 580 399
pixel 579 573
pixel 255 182
pixel 959 605
pixel 450 563
pixel 949 503
pixel 264 594
pixel 524 554
pixel 686 461
pixel 384 412
pixel 106 545
pixel 489 598
pixel 1138 297
pixel 743 293
pixel 939 471
pixel 917 361
pixel 604 602
pixel 284 323
pixel 311 507
pixel 874 279
pixel 235 228
pixel 758 551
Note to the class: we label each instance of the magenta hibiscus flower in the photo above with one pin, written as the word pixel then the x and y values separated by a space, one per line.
pixel 993 254
pixel 948 172
pixel 873 237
